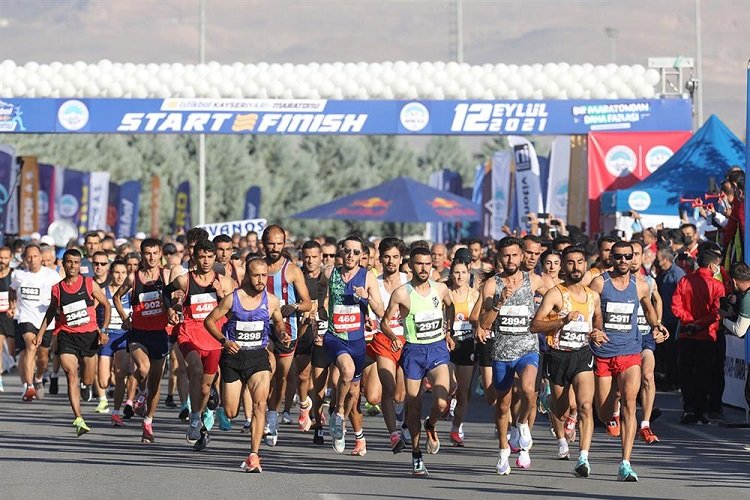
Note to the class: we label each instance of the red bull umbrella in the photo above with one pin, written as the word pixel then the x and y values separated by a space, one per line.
pixel 398 200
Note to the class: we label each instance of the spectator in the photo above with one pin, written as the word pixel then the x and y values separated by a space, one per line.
pixel 735 227
pixel 736 316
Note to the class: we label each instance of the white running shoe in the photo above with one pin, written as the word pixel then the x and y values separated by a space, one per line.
pixel 513 439
pixel 525 442
pixel 524 460
pixel 286 418
pixel 503 465
pixel 452 410
pixel 563 450
pixel 272 425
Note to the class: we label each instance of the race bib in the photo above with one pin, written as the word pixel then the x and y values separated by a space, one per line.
pixel 462 330
pixel 202 304
pixel 346 318
pixel 30 293
pixel 249 334
pixel 643 325
pixel 574 335
pixel 618 316
pixel 428 324
pixel 76 314
pixel 152 303
pixel 513 319
pixel 84 270
pixel 397 326
pixel 115 321
pixel 4 301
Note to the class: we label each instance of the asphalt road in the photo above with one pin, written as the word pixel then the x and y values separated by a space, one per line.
pixel 41 458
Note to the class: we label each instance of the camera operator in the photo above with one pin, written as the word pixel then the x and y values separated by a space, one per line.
pixel 735 309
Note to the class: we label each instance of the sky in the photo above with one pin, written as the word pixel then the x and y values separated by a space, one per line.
pixel 513 32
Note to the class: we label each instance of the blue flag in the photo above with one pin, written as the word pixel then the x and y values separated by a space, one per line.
pixel 7 166
pixel 181 219
pixel 72 205
pixel 127 213
pixel 252 203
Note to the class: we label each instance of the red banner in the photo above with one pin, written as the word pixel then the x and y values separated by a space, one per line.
pixel 619 160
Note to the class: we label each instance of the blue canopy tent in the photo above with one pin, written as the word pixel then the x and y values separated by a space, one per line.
pixel 398 200
pixel 708 154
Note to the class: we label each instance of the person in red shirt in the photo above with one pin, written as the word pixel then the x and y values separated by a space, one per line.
pixel 696 304
pixel 736 217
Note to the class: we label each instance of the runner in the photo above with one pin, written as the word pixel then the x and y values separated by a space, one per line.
pixel 79 337
pixel 6 314
pixel 286 281
pixel 603 262
pixel 350 290
pixel 427 308
pixel 92 242
pixel 148 342
pixel 568 314
pixel 99 264
pixel 387 350
pixel 202 289
pixel 224 251
pixel 245 338
pixel 507 306
pixel 617 350
pixel 29 296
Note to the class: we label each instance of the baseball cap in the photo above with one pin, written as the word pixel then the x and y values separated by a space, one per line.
pixel 47 240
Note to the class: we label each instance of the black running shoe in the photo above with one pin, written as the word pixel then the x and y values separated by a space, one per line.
pixel 53 386
pixel 203 441
pixel 318 437
pixel 169 402
pixel 127 412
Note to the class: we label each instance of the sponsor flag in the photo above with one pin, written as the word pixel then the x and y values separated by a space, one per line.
pixel 252 203
pixel 619 160
pixel 113 205
pixel 481 193
pixel 528 188
pixel 28 215
pixel 46 198
pixel 127 212
pixel 7 183
pixel 98 199
pixel 450 181
pixel 499 203
pixel 559 175
pixel 181 219
pixel 155 191
pixel 73 200
pixel 236 226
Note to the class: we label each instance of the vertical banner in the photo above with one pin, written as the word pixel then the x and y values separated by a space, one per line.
pixel 155 189
pixel 481 194
pixel 559 174
pixel 450 181
pixel 127 212
pixel 98 200
pixel 72 205
pixel 46 199
pixel 181 219
pixel 619 160
pixel 252 203
pixel 113 205
pixel 7 181
pixel 500 201
pixel 578 184
pixel 528 188
pixel 28 215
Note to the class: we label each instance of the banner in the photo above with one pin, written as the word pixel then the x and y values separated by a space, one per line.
pixel 127 211
pixel 528 189
pixel 69 202
pixel 181 219
pixel 482 193
pixel 620 160
pixel 46 199
pixel 99 197
pixel 113 205
pixel 236 226
pixel 7 183
pixel 155 204
pixel 735 371
pixel 499 204
pixel 252 203
pixel 320 116
pixel 559 174
pixel 450 181
pixel 28 215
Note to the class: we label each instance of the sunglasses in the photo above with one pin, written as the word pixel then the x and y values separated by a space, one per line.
pixel 351 251
pixel 622 256
pixel 100 263
pixel 329 255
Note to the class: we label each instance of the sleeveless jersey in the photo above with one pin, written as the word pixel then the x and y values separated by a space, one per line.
pixel 199 300
pixel 511 326
pixel 620 320
pixel 396 322
pixel 6 322
pixel 424 323
pixel 319 318
pixel 115 321
pixel 149 312
pixel 278 285
pixel 248 328
pixel 575 335
pixel 347 311
pixel 462 328
pixel 75 313
pixel 643 327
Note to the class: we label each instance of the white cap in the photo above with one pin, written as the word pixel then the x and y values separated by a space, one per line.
pixel 140 235
pixel 120 241
pixel 35 236
pixel 47 240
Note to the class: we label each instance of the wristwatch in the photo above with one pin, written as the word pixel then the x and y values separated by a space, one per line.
pixel 223 340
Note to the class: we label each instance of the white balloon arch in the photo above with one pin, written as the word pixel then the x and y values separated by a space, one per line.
pixel 386 80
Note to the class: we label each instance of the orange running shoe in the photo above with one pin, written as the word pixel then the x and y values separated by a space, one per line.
pixel 30 394
pixel 252 464
pixel 613 427
pixel 456 439
pixel 648 436
pixel 360 448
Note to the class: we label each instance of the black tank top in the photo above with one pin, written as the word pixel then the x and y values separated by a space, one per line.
pixel 6 322
pixel 199 300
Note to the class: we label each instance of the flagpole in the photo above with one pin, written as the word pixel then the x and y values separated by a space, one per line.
pixel 202 137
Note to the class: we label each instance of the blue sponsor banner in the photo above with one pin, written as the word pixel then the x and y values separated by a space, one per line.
pixel 252 203
pixel 181 218
pixel 72 205
pixel 113 206
pixel 46 201
pixel 7 165
pixel 320 116
pixel 127 211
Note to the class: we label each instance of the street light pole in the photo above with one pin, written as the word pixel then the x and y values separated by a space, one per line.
pixel 202 137
pixel 699 64
pixel 459 31
pixel 612 36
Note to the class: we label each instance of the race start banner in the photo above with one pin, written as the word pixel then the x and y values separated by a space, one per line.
pixel 320 116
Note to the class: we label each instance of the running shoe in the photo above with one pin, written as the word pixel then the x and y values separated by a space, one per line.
pixel 452 407
pixel 208 419
pixel 626 473
pixel 286 418
pixel 405 434
pixel 513 439
pixel 433 442
pixel 2 387
pixel 272 424
pixel 456 439
pixel 583 469
pixel 127 411
pixel 613 427
pixel 203 441
pixel 116 421
pixel 80 426
pixel 325 411
pixel 169 402
pixel 525 441
pixel 87 393
pixel 252 464
pixel 213 399
pixel 360 448
pixel 648 436
pixel 336 426
pixel 417 467
pixel 39 388
pixel 339 445
pixel 570 429
pixel 247 427
pixel 688 418
pixel 102 407
pixel 524 460
pixel 563 451
pixel 147 436
pixel 304 422
pixel 29 394
pixel 372 410
pixel 399 407
pixel 140 406
pixel 193 432
pixel 224 423
pixel 184 412
pixel 503 464
pixel 703 419
pixel 53 385
pixel 318 437
pixel 397 443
